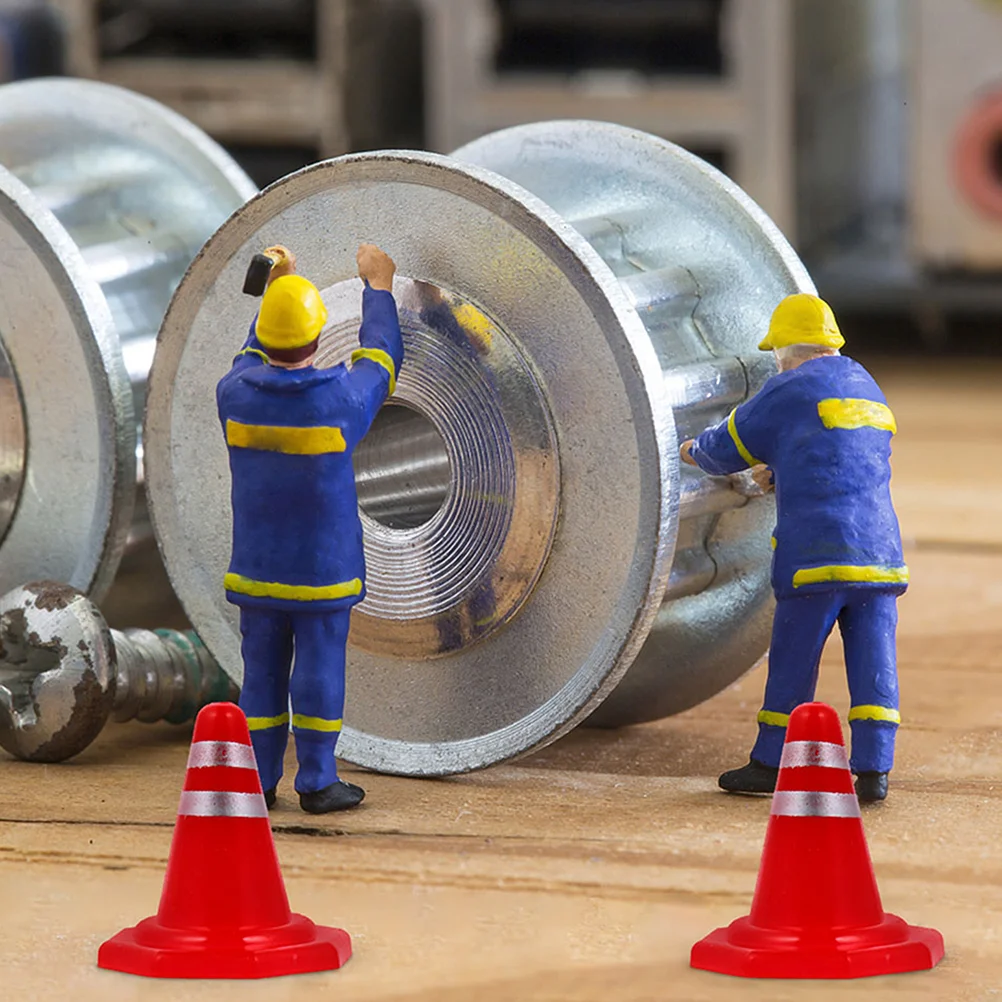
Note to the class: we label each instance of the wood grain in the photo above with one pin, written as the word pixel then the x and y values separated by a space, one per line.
pixel 586 871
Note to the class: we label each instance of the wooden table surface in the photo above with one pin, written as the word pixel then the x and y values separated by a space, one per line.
pixel 587 871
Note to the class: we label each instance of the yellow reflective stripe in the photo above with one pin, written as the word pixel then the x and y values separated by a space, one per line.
pixel 851 413
pixel 773 719
pixel 263 723
pixel 253 351
pixel 875 713
pixel 296 593
pixel 315 723
pixel 742 450
pixel 281 438
pixel 772 542
pixel 876 574
pixel 380 357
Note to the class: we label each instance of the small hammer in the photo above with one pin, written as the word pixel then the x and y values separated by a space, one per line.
pixel 259 269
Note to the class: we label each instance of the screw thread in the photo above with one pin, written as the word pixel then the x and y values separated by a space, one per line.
pixel 165 675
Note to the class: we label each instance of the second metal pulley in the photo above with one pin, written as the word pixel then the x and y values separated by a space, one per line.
pixel 105 197
pixel 574 297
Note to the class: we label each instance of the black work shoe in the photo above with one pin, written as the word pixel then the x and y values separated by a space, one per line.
pixel 338 796
pixel 755 777
pixel 270 796
pixel 871 786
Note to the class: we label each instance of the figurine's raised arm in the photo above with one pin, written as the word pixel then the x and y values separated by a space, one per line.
pixel 376 362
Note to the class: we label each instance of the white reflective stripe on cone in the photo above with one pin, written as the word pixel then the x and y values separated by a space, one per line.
pixel 800 754
pixel 205 754
pixel 815 804
pixel 222 804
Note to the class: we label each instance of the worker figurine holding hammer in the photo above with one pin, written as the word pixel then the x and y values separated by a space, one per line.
pixel 297 564
pixel 820 432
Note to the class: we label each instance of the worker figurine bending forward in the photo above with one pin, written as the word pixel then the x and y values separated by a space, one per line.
pixel 823 430
pixel 297 566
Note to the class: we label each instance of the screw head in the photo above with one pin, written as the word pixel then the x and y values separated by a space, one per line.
pixel 57 671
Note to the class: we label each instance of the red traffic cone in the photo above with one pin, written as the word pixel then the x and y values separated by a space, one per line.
pixel 816 911
pixel 223 912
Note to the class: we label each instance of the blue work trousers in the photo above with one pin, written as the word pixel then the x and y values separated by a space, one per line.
pixel 868 619
pixel 316 684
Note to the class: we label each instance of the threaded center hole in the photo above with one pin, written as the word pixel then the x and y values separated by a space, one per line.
pixel 402 469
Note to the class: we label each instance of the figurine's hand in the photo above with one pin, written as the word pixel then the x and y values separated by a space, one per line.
pixel 685 452
pixel 763 477
pixel 375 267
pixel 753 483
pixel 284 262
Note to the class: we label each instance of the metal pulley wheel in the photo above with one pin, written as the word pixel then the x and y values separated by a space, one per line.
pixel 105 197
pixel 574 297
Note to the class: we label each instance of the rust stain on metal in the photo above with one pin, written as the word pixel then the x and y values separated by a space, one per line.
pixel 51 595
pixel 91 706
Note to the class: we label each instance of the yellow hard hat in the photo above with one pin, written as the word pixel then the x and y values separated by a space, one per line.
pixel 802 319
pixel 292 313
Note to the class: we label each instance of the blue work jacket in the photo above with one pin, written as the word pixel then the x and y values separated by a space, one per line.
pixel 825 430
pixel 297 536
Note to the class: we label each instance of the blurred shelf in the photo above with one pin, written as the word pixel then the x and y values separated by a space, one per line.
pixel 273 101
pixel 703 112
pixel 725 88
pixel 253 100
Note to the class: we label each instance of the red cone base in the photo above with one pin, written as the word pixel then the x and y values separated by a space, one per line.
pixel 892 947
pixel 154 951
pixel 816 911
pixel 223 911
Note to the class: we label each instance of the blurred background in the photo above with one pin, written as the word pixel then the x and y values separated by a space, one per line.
pixel 870 130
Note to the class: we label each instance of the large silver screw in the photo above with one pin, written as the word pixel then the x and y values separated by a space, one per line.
pixel 64 672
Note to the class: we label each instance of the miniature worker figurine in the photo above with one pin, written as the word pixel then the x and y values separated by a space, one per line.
pixel 823 430
pixel 297 566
